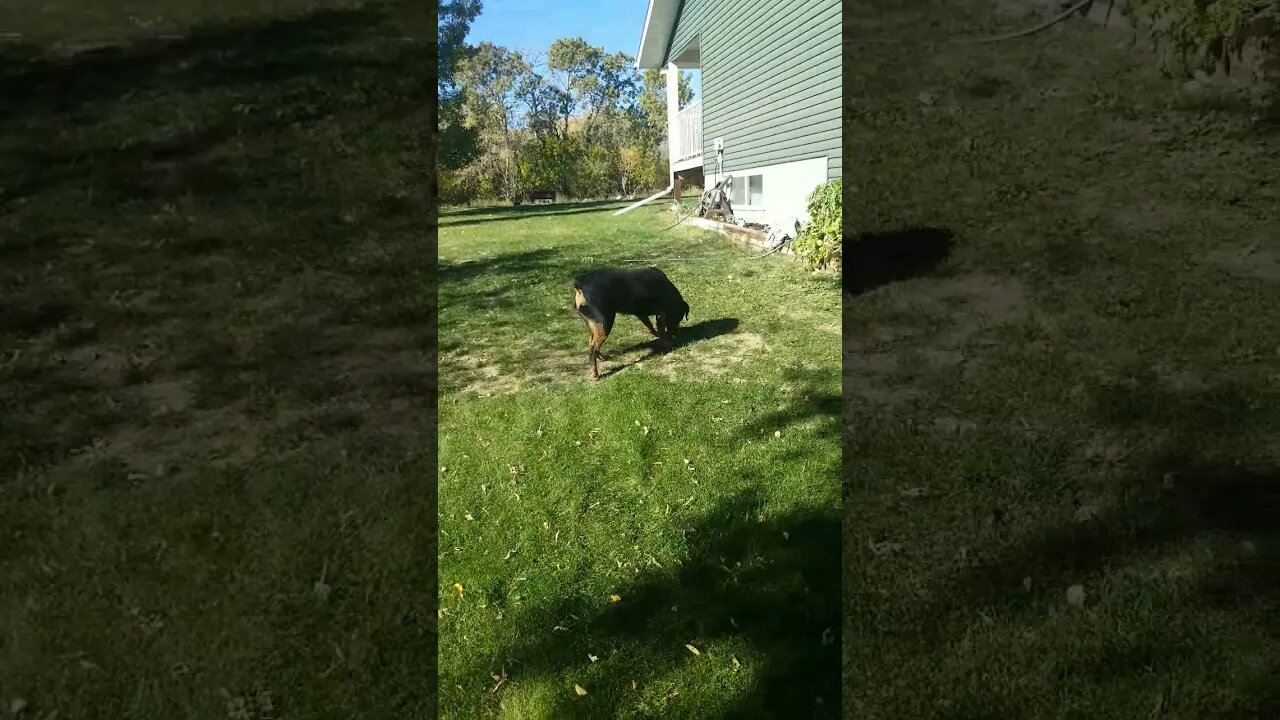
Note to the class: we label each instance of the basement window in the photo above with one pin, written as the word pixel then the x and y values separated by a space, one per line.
pixel 755 190
pixel 748 191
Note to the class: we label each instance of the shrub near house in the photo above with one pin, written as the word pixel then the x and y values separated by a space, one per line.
pixel 820 239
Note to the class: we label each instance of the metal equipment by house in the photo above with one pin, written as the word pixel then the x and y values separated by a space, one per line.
pixel 715 201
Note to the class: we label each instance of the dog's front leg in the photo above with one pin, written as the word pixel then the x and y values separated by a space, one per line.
pixel 648 325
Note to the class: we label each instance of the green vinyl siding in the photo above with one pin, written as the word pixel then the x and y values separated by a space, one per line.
pixel 770 79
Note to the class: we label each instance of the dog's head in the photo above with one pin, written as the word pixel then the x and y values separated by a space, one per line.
pixel 680 312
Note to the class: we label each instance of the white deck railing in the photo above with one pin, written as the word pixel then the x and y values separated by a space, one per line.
pixel 687 143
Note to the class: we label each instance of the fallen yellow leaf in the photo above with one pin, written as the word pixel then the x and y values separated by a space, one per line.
pixel 615 598
pixel 693 649
pixel 457 590
pixel 580 690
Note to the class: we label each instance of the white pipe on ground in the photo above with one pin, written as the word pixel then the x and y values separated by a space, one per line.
pixel 649 199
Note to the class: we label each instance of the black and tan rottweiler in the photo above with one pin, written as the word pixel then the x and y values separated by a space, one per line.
pixel 601 295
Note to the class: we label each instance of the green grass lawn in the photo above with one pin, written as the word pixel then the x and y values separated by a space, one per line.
pixel 1081 391
pixel 216 390
pixel 666 539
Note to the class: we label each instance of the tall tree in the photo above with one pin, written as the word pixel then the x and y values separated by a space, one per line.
pixel 457 144
pixel 596 82
pixel 543 102
pixel 600 89
pixel 454 22
pixel 578 119
pixel 491 76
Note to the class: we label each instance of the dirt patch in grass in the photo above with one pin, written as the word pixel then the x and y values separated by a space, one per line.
pixel 953 313
pixel 973 303
pixel 711 358
pixel 375 360
pixel 101 366
pixel 182 441
pixel 1181 380
pixel 162 421
pixel 1249 261
pixel 486 375
pixel 167 396
pixel 484 378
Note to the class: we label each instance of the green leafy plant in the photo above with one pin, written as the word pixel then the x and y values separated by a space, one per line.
pixel 820 238
pixel 1203 35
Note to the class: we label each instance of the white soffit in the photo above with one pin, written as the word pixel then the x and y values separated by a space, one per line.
pixel 659 21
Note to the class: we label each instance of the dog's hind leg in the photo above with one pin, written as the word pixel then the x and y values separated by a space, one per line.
pixel 598 336
pixel 599 333
pixel 594 323
pixel 598 327
pixel 592 326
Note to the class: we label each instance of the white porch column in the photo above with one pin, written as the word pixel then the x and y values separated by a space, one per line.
pixel 673 111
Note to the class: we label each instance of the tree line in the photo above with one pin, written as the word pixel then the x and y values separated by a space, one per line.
pixel 577 119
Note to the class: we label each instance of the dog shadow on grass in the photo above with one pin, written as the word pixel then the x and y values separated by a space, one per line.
pixel 704 330
pixel 688 335
pixel 874 259
pixel 769 585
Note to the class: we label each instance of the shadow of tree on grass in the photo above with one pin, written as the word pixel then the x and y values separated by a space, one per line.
pixel 774 585
pixel 525 212
pixel 1206 480
pixel 511 267
pixel 272 76
pixel 249 52
pixel 817 398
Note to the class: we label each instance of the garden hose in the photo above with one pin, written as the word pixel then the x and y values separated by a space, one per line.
pixel 1075 7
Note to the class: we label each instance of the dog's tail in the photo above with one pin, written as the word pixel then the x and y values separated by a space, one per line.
pixel 578 302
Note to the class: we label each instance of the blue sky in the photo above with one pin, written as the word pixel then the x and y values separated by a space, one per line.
pixel 532 25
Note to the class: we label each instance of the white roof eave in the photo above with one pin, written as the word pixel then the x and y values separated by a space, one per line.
pixel 659 21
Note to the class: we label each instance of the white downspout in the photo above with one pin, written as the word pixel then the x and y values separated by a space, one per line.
pixel 673 120
pixel 649 199
pixel 673 130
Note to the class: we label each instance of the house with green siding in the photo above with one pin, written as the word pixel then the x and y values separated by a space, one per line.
pixel 769 108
